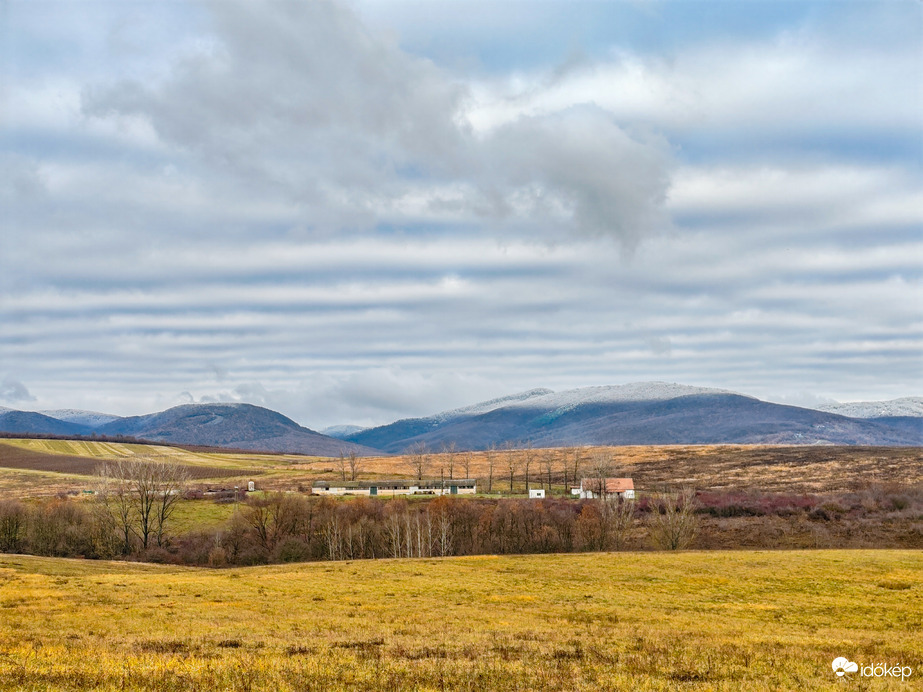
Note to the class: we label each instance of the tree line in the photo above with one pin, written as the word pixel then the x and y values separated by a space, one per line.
pixel 131 513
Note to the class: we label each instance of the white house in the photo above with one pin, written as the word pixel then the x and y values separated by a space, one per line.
pixel 536 493
pixel 605 487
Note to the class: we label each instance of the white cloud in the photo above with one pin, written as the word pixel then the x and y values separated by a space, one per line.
pixel 798 81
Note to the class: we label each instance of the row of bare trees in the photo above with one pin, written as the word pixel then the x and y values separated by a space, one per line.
pixel 506 463
pixel 290 527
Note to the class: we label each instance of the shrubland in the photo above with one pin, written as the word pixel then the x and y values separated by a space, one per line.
pixel 291 527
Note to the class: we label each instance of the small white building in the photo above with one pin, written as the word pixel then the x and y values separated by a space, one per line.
pixel 536 493
pixel 591 488
pixel 457 486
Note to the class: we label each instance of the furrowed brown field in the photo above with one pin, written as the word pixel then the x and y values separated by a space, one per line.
pixel 733 620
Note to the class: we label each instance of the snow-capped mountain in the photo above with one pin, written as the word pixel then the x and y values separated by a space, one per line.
pixel 642 413
pixel 522 398
pixel 635 391
pixel 910 406
pixel 93 419
pixel 637 413
pixel 341 431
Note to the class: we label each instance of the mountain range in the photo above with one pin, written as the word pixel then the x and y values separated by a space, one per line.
pixel 633 414
pixel 638 414
pixel 236 426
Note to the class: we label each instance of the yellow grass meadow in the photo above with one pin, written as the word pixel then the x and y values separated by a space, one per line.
pixel 729 620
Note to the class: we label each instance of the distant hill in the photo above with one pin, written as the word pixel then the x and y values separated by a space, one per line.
pixel 342 431
pixel 91 419
pixel 13 421
pixel 642 413
pixel 241 426
pixel 904 414
pixel 906 407
pixel 235 426
pixel 639 413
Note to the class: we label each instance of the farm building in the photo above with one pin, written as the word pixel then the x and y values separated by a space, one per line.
pixel 599 487
pixel 536 493
pixel 457 486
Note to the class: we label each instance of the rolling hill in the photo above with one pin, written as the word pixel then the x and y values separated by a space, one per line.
pixel 238 426
pixel 639 413
pixel 31 422
pixel 643 413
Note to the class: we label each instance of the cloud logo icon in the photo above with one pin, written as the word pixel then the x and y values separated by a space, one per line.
pixel 841 666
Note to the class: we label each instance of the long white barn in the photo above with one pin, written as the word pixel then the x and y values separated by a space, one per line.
pixel 386 488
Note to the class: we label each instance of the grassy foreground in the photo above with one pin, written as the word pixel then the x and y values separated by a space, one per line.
pixel 642 621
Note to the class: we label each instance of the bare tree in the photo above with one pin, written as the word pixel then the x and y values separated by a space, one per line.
pixel 577 463
pixel 353 460
pixel 170 481
pixel 450 451
pixel 466 462
pixel 528 457
pixel 438 513
pixel 114 493
pixel 618 515
pixel 342 464
pixel 273 518
pixel 673 521
pixel 12 525
pixel 490 455
pixel 564 466
pixel 140 496
pixel 547 467
pixel 333 538
pixel 511 460
pixel 601 468
pixel 396 519
pixel 418 458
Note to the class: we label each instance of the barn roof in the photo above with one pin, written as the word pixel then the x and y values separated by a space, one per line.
pixel 613 485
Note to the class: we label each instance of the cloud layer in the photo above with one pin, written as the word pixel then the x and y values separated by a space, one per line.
pixel 306 207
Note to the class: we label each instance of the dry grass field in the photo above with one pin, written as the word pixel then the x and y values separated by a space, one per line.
pixel 732 620
pixel 719 467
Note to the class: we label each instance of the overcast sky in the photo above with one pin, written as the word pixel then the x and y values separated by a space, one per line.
pixel 352 212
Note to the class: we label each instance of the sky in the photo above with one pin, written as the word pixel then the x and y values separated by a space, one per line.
pixel 353 212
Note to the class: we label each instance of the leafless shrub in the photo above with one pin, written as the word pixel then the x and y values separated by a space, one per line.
pixel 12 525
pixel 673 521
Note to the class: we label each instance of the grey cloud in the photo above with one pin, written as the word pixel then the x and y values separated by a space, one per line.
pixel 14 391
pixel 301 97
pixel 20 179
pixel 581 160
pixel 372 396
pixel 660 346
pixel 374 344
